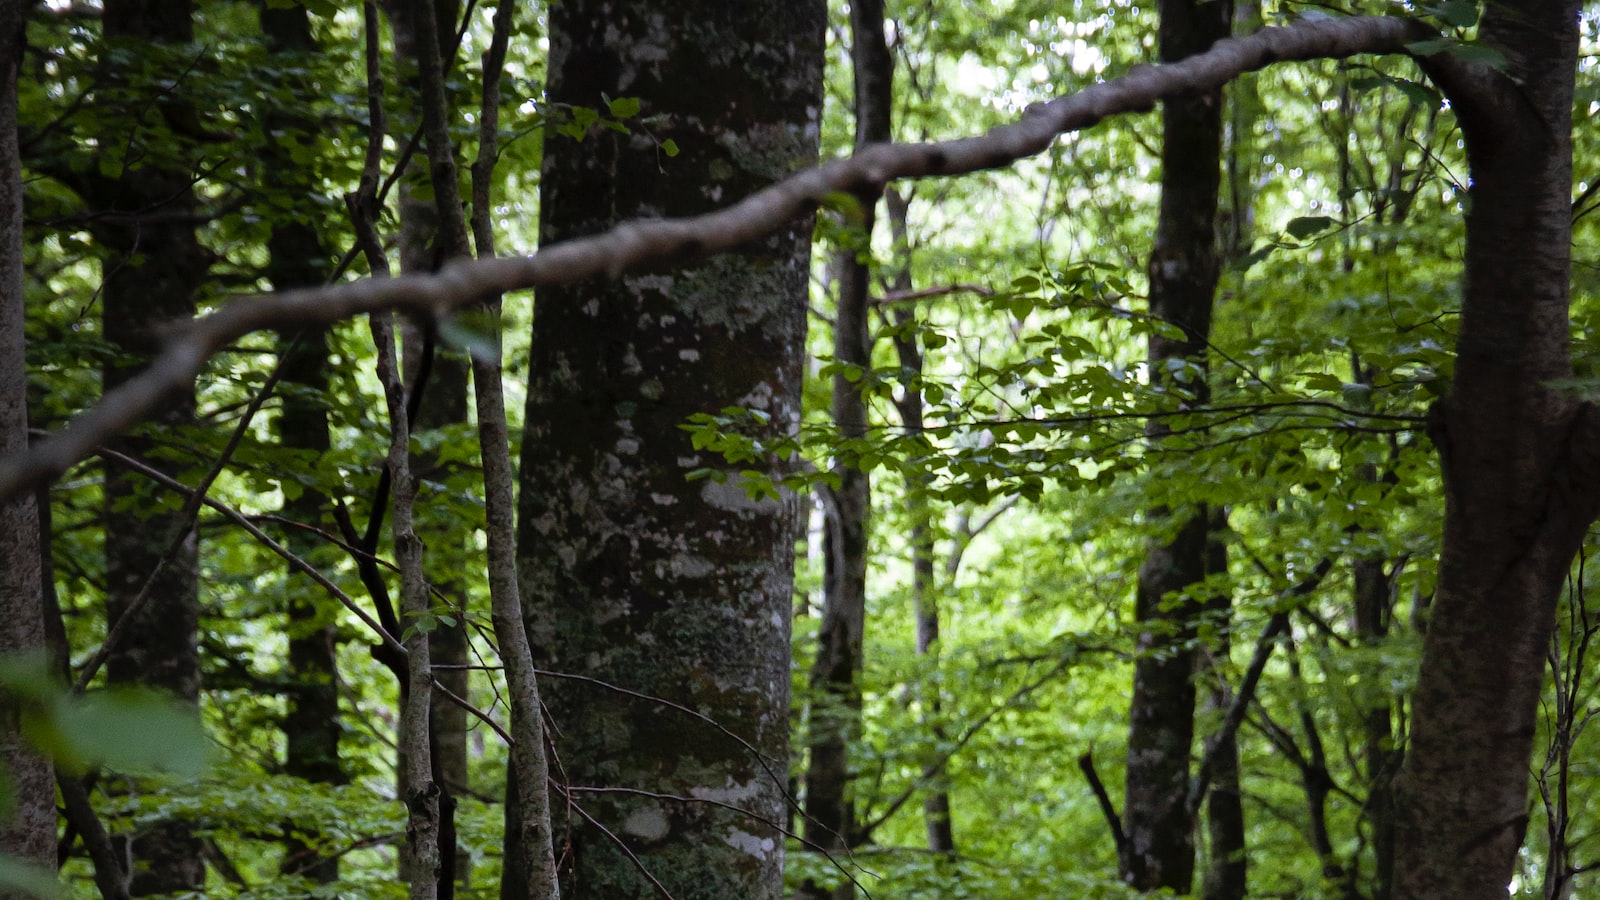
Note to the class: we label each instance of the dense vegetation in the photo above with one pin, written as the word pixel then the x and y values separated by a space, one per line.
pixel 997 447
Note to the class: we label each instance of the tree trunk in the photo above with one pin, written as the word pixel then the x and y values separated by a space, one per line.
pixel 835 719
pixel 1371 592
pixel 1520 474
pixel 1227 870
pixel 153 268
pixel 432 232
pixel 1159 850
pixel 27 834
pixel 311 725
pixel 635 571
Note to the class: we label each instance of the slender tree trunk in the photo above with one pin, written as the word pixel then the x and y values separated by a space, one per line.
pixel 635 571
pixel 433 231
pixel 924 573
pixel 1372 590
pixel 311 724
pixel 835 676
pixel 1520 474
pixel 1159 850
pixel 27 834
pixel 529 871
pixel 1227 871
pixel 153 268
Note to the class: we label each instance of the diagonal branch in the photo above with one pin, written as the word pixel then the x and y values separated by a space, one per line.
pixel 191 344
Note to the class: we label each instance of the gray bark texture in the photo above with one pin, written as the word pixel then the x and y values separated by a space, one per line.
pixel 28 831
pixel 1522 483
pixel 433 231
pixel 1159 848
pixel 529 867
pixel 631 573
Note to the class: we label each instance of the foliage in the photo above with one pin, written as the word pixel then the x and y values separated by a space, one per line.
pixel 1334 333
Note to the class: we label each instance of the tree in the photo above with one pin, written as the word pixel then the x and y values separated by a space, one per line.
pixel 311 723
pixel 1330 336
pixel 1157 850
pixel 153 267
pixel 835 715
pixel 27 832
pixel 646 567
pixel 1520 488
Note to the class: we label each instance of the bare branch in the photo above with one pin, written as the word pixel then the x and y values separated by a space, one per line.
pixel 635 243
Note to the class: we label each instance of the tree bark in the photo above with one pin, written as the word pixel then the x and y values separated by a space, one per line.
pixel 27 834
pixel 1227 871
pixel 433 231
pixel 1159 850
pixel 1517 455
pixel 153 269
pixel 529 871
pixel 633 574
pixel 311 724
pixel 835 719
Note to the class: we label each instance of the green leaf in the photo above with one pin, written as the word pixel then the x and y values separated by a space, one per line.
pixel 1167 330
pixel 131 730
pixel 1478 53
pixel 624 107
pixel 1306 226
pixel 669 147
pixel 38 882
pixel 1417 95
pixel 1430 47
pixel 1456 13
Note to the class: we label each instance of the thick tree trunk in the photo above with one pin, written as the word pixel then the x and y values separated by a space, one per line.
pixel 632 573
pixel 153 268
pixel 1159 850
pixel 1520 474
pixel 27 834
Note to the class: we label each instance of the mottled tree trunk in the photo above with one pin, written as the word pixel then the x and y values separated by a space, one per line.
pixel 311 725
pixel 153 267
pixel 633 573
pixel 27 833
pixel 1519 464
pixel 1159 850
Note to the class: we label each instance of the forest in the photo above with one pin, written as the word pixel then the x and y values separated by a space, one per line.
pixel 799 448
